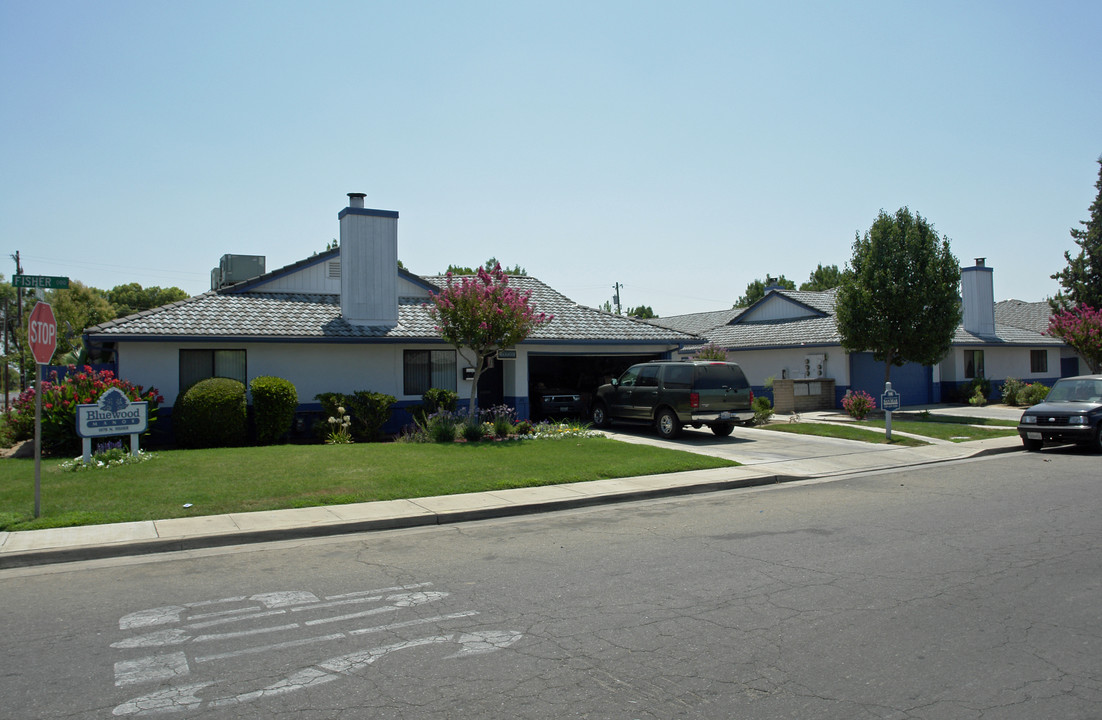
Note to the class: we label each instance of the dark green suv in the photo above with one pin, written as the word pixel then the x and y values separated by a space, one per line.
pixel 673 394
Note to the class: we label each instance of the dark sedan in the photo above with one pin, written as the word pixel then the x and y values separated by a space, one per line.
pixel 1071 413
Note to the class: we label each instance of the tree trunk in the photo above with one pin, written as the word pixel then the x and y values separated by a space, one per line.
pixel 888 366
pixel 473 407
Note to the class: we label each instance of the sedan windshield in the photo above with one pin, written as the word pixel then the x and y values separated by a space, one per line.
pixel 1087 391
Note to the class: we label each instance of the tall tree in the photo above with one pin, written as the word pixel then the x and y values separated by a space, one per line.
pixel 483 314
pixel 756 290
pixel 898 296
pixel 488 266
pixel 642 312
pixel 132 298
pixel 1082 278
pixel 77 307
pixel 823 278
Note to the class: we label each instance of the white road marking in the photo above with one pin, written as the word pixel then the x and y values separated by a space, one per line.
pixel 150 669
pixel 167 667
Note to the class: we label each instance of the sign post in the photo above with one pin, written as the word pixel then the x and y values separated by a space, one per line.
pixel 42 337
pixel 889 401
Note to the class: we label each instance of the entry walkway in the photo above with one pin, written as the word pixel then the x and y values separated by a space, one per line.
pixel 766 457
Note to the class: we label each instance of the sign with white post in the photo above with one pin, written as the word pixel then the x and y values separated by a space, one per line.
pixel 889 401
pixel 113 414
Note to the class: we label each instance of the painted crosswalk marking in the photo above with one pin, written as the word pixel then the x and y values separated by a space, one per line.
pixel 295 612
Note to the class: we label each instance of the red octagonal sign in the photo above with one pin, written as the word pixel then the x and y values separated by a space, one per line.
pixel 42 333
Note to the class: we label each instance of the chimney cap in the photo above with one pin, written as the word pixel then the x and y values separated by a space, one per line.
pixel 356 200
pixel 980 261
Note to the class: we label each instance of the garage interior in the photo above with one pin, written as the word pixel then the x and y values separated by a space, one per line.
pixel 579 374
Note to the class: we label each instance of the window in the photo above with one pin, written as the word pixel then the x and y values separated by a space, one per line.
pixel 648 377
pixel 196 365
pixel 973 364
pixel 425 369
pixel 1038 361
pixel 678 377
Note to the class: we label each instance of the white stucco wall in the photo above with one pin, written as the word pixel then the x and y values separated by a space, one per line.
pixel 762 364
pixel 1000 363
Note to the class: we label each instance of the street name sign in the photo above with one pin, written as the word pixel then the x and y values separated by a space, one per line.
pixel 40 282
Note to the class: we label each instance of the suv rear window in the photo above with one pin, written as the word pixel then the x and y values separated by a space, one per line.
pixel 678 377
pixel 714 377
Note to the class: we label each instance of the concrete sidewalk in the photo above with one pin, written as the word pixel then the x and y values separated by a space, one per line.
pixel 766 457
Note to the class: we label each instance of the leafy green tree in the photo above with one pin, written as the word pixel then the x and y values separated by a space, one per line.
pixel 483 314
pixel 898 296
pixel 132 298
pixel 77 307
pixel 756 290
pixel 642 312
pixel 823 278
pixel 1082 278
pixel 488 266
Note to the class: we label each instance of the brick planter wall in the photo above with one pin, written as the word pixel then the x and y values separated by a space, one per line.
pixel 803 395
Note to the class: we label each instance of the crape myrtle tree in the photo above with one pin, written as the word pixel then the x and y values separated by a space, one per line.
pixel 1081 328
pixel 482 314
pixel 898 296
pixel 1082 278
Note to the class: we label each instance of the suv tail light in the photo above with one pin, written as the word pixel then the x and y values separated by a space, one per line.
pixel 751 397
pixel 694 400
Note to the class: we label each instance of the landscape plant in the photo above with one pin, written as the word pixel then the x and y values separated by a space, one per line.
pixel 1081 328
pixel 274 403
pixel 711 351
pixel 340 428
pixel 483 314
pixel 1034 393
pixel 763 409
pixel 858 404
pixel 212 413
pixel 1011 391
pixel 59 406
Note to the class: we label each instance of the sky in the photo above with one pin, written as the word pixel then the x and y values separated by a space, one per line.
pixel 682 150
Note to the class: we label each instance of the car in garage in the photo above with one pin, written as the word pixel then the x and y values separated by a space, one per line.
pixel 562 403
pixel 1070 413
pixel 673 394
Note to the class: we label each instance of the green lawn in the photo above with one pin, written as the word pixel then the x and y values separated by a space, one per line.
pixel 954 429
pixel 290 476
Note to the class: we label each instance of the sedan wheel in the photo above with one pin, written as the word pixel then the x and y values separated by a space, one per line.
pixel 1096 443
pixel 1032 445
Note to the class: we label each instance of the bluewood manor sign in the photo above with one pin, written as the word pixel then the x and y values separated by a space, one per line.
pixel 114 414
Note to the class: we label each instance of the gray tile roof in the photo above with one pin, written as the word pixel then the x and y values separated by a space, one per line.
pixel 315 317
pixel 1026 315
pixel 1004 335
pixel 697 323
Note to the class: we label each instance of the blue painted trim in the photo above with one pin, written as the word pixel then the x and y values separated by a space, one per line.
pixel 738 320
pixel 418 280
pixel 269 339
pixel 393 214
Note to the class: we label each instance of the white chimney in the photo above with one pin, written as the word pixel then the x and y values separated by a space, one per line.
pixel 369 264
pixel 978 295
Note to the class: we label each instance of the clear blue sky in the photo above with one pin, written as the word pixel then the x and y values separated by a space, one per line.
pixel 680 149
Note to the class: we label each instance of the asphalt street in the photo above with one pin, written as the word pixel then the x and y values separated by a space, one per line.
pixel 961 590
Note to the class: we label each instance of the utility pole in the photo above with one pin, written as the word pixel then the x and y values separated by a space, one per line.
pixel 19 314
pixel 616 297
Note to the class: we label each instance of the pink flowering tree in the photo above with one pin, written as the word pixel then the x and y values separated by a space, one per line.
pixel 482 314
pixel 1081 328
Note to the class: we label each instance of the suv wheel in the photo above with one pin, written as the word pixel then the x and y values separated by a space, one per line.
pixel 723 429
pixel 667 424
pixel 600 415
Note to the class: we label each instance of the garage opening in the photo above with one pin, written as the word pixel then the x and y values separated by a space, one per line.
pixel 564 385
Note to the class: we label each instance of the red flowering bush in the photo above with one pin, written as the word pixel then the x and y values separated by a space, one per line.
pixel 59 406
pixel 858 404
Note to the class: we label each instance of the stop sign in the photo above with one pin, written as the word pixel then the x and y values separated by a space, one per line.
pixel 42 333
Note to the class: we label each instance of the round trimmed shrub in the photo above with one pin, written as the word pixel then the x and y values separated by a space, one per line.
pixel 211 414
pixel 274 403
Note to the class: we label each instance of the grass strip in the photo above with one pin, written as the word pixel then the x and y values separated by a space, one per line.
pixel 856 431
pixel 942 430
pixel 291 476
